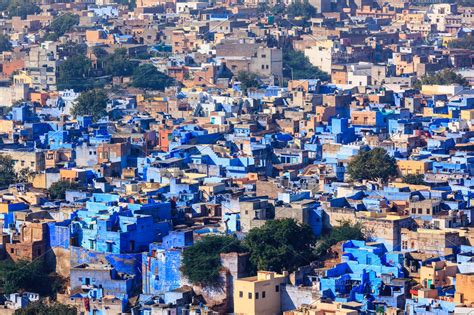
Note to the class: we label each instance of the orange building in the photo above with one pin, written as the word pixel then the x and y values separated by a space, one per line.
pixel 39 97
pixel 99 37
pixel 9 67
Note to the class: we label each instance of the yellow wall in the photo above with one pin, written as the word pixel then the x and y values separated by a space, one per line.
pixel 412 167
pixel 6 126
pixel 467 114
pixel 266 285
pixel 465 286
pixel 438 274
pixel 23 77
pixel 3 207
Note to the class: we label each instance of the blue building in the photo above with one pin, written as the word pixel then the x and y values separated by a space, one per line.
pixel 364 275
pixel 162 263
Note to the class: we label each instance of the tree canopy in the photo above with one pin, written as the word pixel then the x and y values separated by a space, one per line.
pixel 75 73
pixel 7 170
pixel 20 8
pixel 280 245
pixel 414 179
pixel 300 10
pixel 59 188
pixel 5 44
pixel 372 165
pixel 25 175
pixel 443 77
pixel 463 43
pixel 146 76
pixel 62 24
pixel 346 231
pixel 247 80
pixel 40 308
pixel 28 276
pixel 118 63
pixel 132 4
pixel 201 262
pixel 91 103
pixel 466 3
pixel 298 66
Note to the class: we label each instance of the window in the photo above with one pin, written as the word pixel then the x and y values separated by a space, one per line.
pixel 241 294
pixel 263 294
pixel 404 245
pixel 250 295
pixel 420 211
pixel 256 295
pixel 277 288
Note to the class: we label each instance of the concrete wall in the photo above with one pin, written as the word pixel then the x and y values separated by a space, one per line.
pixel 294 296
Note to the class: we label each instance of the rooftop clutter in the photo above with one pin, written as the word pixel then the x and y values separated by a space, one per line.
pixel 196 157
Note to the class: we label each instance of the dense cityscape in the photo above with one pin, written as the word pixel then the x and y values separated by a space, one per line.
pixel 247 157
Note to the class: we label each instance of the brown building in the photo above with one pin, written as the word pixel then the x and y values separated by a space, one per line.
pixel 29 244
pixel 465 289
pixel 430 240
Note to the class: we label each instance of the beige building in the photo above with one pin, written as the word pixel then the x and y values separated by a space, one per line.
pixel 464 288
pixel 32 160
pixel 13 93
pixel 259 295
pixel 322 308
pixel 42 64
pixel 413 167
pixel 430 240
pixel 439 274
pixel 322 54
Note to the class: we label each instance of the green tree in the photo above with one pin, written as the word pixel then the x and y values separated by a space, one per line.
pixel 59 188
pixel 62 24
pixel 70 49
pixel 280 245
pixel 5 44
pixel 7 170
pixel 463 43
pixel 91 103
pixel 466 3
pixel 444 77
pixel 345 232
pixel 40 308
pixel 75 73
pixel 278 9
pixel 146 76
pixel 21 8
pixel 118 63
pixel 24 175
pixel 414 179
pixel 28 276
pixel 201 261
pixel 298 66
pixel 99 52
pixel 247 80
pixel 300 10
pixel 131 4
pixel 375 164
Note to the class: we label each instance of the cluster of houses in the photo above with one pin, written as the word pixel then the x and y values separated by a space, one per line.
pixel 210 155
